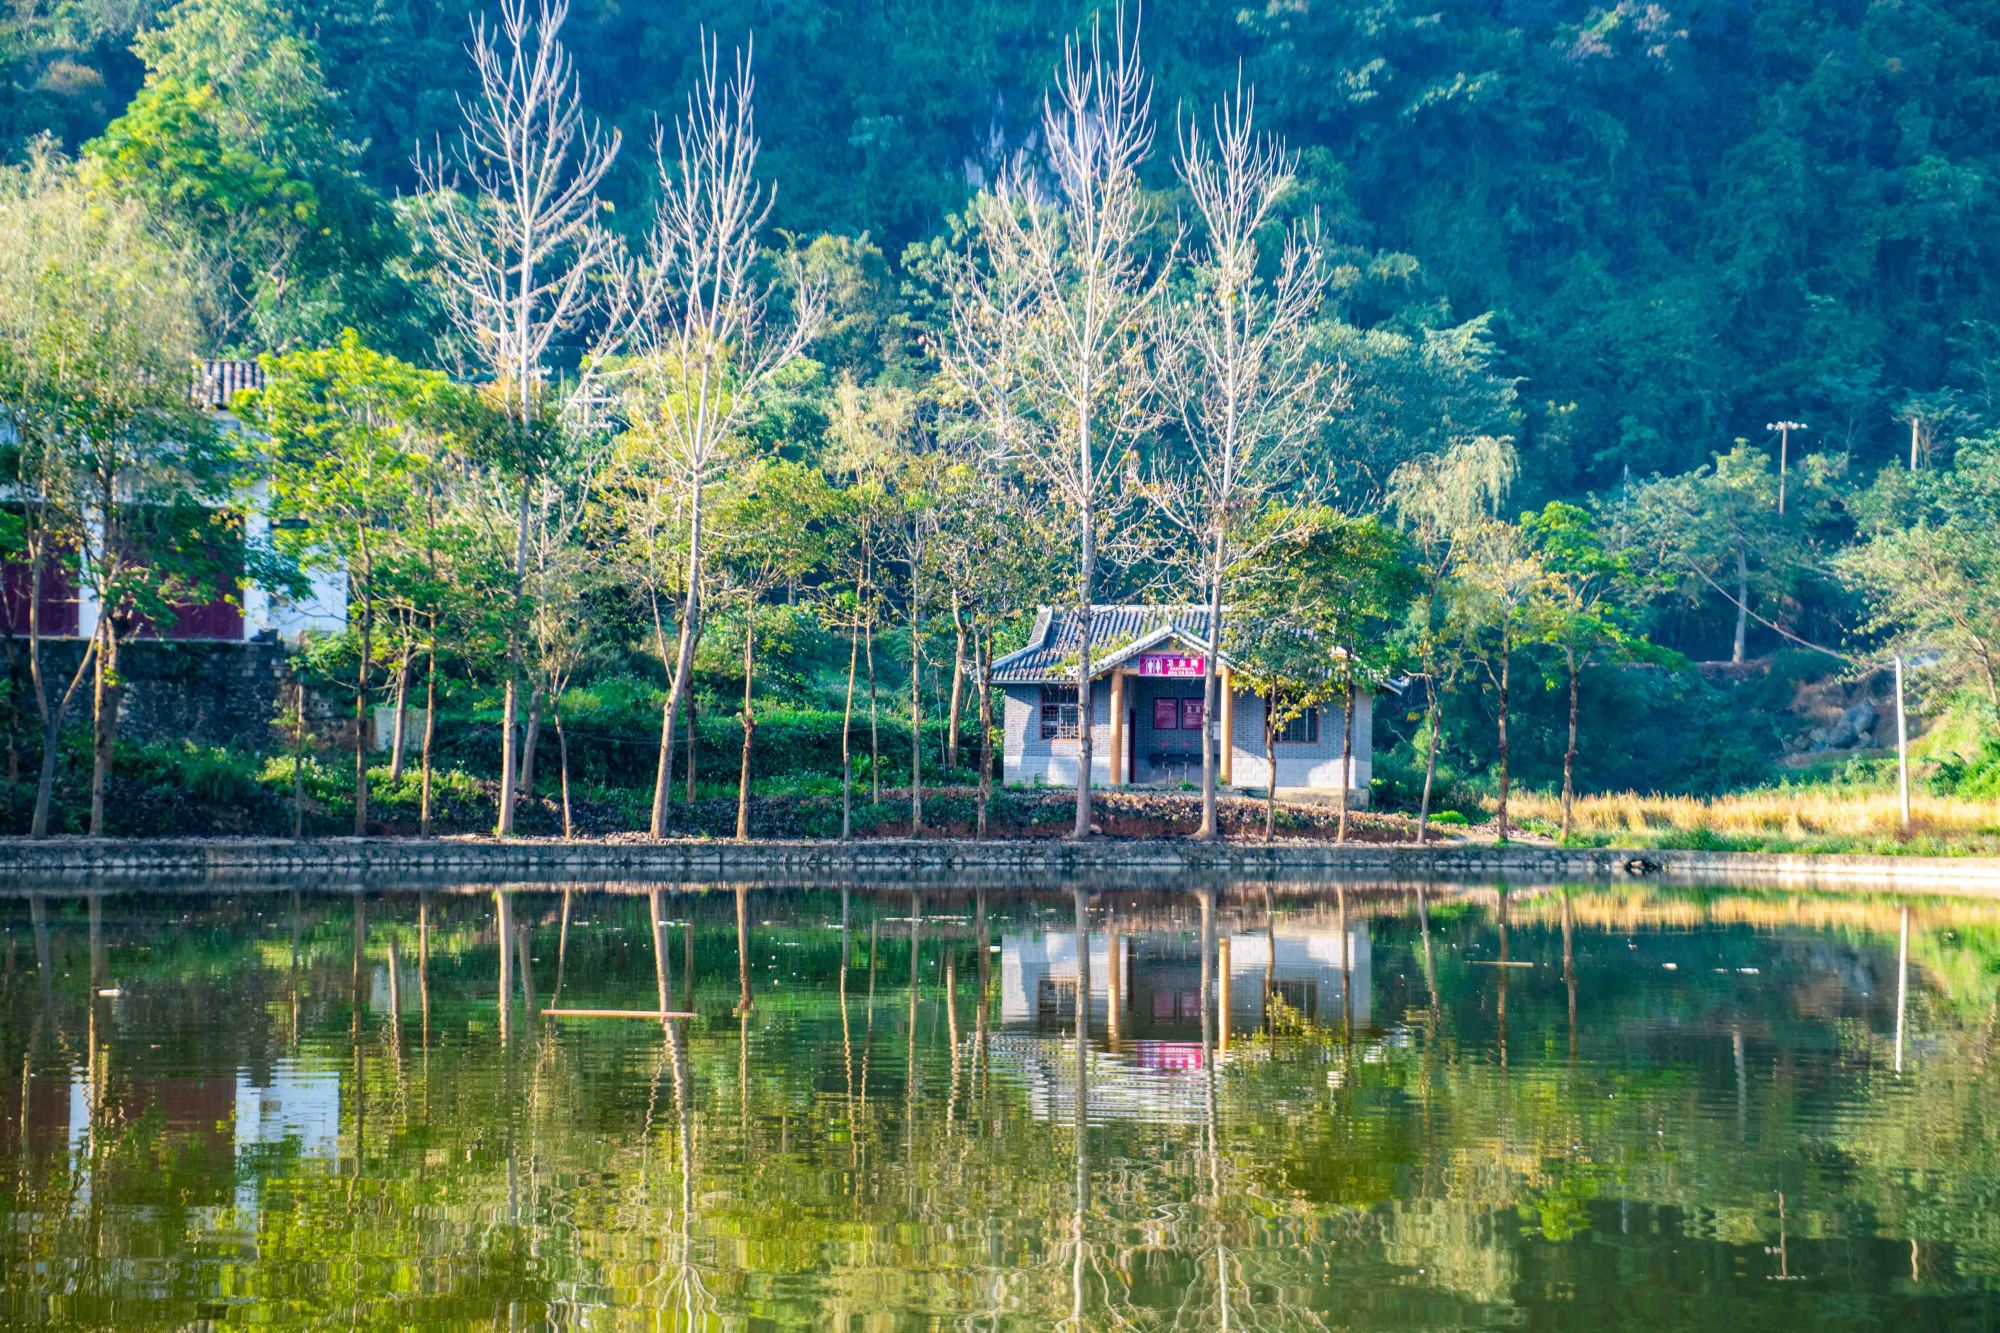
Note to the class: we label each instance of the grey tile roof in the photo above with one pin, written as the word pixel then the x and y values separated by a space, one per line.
pixel 1051 652
pixel 216 382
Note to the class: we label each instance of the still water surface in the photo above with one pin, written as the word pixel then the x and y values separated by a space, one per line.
pixel 1584 1108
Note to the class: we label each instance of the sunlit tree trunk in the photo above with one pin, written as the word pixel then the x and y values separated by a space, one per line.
pixel 1210 683
pixel 363 670
pixel 531 738
pixel 424 816
pixel 1085 712
pixel 957 687
pixel 53 712
pixel 916 707
pixel 299 759
pixel 1742 607
pixel 847 736
pixel 1569 751
pixel 1346 758
pixel 1506 665
pixel 749 725
pixel 874 715
pixel 397 725
pixel 680 685
pixel 105 692
pixel 985 668
pixel 1432 721
pixel 1271 769
pixel 562 762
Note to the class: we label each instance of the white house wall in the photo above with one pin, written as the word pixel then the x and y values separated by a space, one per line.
pixel 323 608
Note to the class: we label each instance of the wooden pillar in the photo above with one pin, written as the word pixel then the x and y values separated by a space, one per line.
pixel 1114 986
pixel 1228 727
pixel 1117 728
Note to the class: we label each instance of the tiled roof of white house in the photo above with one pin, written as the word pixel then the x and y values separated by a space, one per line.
pixel 1117 631
pixel 217 382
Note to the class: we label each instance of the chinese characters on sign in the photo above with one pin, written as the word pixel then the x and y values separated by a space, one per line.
pixel 1172 666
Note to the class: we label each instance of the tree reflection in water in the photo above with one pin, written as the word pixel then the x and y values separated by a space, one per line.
pixel 1394 1133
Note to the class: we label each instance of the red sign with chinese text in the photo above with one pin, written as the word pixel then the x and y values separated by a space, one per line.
pixel 1172 666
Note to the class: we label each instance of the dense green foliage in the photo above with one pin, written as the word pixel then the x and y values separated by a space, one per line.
pixel 1685 219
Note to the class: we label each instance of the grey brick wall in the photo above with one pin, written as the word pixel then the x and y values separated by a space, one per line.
pixel 1315 766
pixel 1026 757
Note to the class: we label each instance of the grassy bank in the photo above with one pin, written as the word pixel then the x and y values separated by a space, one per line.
pixel 171 789
pixel 1819 819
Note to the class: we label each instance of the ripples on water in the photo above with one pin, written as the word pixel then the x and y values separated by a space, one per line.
pixel 1291 1108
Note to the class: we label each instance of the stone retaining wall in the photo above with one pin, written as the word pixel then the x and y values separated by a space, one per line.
pixel 381 862
pixel 209 693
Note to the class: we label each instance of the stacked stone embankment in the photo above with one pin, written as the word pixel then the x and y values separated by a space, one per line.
pixel 380 862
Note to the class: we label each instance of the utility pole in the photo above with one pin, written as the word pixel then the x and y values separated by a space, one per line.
pixel 1784 429
pixel 1902 748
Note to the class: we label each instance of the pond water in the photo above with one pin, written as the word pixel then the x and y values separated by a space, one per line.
pixel 1290 1108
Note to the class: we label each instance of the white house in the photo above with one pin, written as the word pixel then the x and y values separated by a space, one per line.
pixel 242 611
pixel 1145 710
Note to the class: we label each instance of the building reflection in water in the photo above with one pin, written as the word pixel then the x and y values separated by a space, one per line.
pixel 1145 1009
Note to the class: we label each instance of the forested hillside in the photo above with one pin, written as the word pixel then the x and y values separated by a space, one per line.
pixel 1685 220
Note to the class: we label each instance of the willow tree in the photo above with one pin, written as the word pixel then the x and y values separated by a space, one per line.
pixel 1240 371
pixel 1441 500
pixel 1068 274
pixel 706 337
pixel 518 244
pixel 1504 584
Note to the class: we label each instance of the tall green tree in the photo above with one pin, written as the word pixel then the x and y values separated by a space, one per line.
pixel 1586 608
pixel 237 141
pixel 770 533
pixel 344 447
pixel 121 484
pixel 1927 559
pixel 1318 618
pixel 1712 533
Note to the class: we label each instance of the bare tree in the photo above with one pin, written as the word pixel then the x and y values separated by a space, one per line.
pixel 1068 279
pixel 703 337
pixel 1238 366
pixel 518 243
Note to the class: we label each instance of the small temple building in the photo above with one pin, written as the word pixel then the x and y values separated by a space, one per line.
pixel 1145 710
